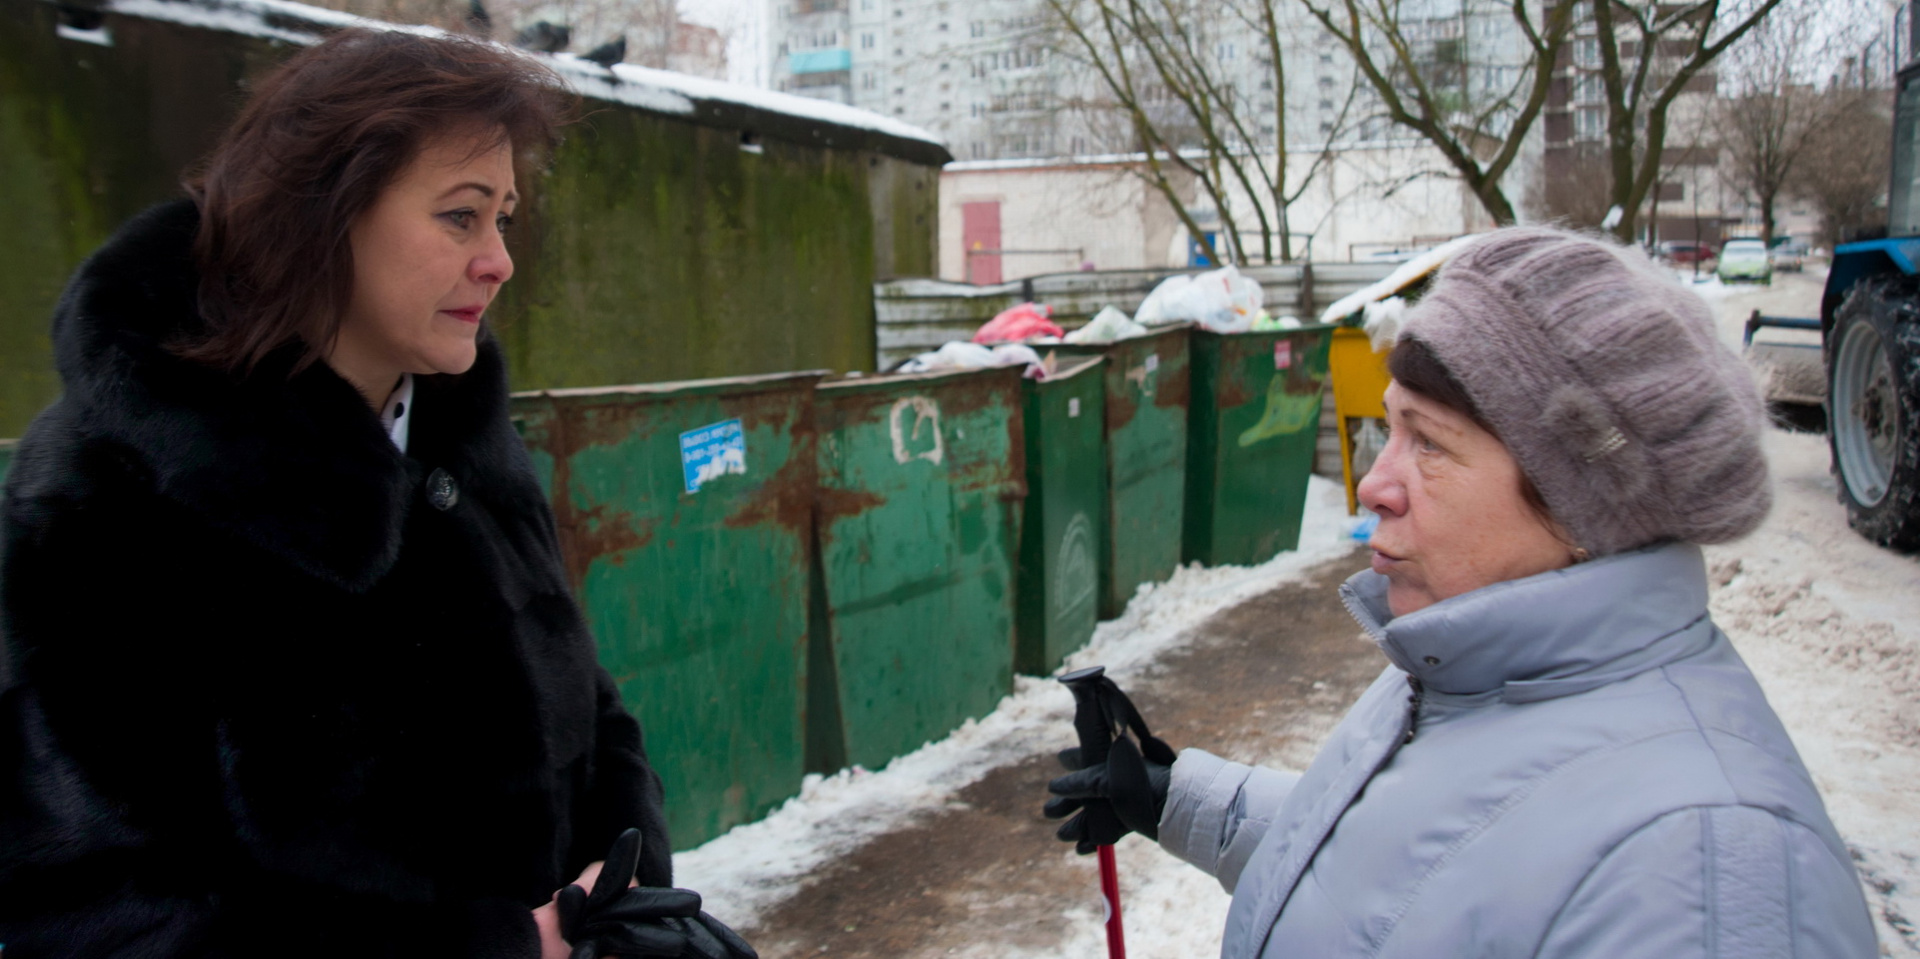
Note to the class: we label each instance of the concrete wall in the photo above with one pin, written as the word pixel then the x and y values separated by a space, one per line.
pixel 731 239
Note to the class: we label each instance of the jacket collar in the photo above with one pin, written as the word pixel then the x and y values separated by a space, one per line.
pixel 1554 634
pixel 298 464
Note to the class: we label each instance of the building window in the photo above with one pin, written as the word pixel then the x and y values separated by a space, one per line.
pixel 977 28
pixel 944 107
pixel 1589 123
pixel 943 66
pixel 866 6
pixel 1588 89
pixel 1326 104
pixel 866 41
pixel 868 81
pixel 943 28
pixel 979 149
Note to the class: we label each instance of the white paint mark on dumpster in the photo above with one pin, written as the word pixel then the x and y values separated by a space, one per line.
pixel 1073 407
pixel 1075 578
pixel 923 441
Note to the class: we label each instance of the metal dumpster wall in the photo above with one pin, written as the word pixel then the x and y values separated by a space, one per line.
pixel 694 581
pixel 918 516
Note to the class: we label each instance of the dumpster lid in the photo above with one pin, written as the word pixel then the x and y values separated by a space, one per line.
pixel 725 384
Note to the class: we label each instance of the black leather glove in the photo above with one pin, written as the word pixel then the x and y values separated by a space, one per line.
pixel 645 921
pixel 1114 785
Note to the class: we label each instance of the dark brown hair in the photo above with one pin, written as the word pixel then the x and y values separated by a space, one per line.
pixel 1413 366
pixel 313 148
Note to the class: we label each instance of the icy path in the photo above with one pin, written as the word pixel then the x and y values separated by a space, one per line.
pixel 1171 908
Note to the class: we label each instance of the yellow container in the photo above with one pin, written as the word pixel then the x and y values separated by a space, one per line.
pixel 1359 388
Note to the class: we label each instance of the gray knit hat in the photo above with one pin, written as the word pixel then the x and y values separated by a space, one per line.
pixel 1603 376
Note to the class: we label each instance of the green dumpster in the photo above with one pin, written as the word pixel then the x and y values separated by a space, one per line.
pixel 918 516
pixel 1255 423
pixel 1146 424
pixel 685 513
pixel 1060 529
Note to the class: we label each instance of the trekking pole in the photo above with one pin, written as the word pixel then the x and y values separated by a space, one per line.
pixel 1087 714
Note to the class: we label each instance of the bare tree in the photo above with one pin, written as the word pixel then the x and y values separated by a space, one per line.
pixel 1160 72
pixel 1844 172
pixel 1772 109
pixel 1475 104
pixel 1649 53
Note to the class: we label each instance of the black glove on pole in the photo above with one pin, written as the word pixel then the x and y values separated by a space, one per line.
pixel 644 921
pixel 1116 786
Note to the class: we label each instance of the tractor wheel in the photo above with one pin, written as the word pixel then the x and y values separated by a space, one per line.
pixel 1873 410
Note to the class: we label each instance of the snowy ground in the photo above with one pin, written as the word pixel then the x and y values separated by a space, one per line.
pixel 1829 623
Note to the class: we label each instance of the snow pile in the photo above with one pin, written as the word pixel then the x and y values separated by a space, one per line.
pixel 755 866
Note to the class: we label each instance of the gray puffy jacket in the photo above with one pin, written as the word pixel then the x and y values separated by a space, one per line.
pixel 1572 764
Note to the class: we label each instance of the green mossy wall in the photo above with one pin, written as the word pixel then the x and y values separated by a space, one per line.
pixel 656 248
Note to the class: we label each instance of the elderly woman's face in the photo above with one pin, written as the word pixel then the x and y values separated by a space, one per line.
pixel 427 260
pixel 1452 517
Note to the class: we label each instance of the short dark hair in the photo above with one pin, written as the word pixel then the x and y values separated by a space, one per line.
pixel 1413 365
pixel 320 139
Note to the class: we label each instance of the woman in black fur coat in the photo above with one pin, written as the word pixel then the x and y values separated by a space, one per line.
pixel 291 664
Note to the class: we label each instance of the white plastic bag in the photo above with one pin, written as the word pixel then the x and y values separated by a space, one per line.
pixel 1220 300
pixel 1152 311
pixel 957 355
pixel 1106 326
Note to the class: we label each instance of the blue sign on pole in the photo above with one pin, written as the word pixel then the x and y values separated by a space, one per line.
pixel 711 452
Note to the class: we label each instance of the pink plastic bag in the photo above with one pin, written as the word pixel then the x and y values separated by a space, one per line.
pixel 1019 323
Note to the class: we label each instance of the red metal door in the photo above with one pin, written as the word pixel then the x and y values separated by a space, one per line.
pixel 980 231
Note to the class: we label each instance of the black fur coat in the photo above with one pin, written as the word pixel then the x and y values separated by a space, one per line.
pixel 260 696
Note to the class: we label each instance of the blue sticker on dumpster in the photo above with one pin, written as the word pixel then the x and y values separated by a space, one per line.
pixel 711 452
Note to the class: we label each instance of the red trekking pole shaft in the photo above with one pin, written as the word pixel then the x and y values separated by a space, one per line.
pixel 1093 750
pixel 1110 890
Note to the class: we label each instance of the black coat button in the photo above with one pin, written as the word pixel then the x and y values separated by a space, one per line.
pixel 442 492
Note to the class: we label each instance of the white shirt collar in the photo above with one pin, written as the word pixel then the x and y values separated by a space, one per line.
pixel 399 411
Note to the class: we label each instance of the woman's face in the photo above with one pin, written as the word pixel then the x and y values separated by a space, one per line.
pixel 427 260
pixel 1452 517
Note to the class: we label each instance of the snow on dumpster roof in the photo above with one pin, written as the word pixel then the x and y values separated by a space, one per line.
pixel 710 102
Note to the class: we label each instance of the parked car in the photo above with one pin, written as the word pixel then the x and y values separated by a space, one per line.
pixel 1791 255
pixel 1685 252
pixel 1744 260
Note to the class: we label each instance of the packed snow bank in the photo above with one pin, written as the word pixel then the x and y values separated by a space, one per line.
pixel 754 866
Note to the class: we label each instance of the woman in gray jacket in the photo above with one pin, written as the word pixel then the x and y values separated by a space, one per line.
pixel 1565 757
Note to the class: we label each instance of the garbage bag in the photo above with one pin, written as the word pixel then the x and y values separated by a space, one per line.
pixel 959 355
pixel 1263 323
pixel 1106 326
pixel 1220 300
pixel 1019 323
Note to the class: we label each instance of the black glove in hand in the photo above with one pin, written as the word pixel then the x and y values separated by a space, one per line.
pixel 617 920
pixel 1123 791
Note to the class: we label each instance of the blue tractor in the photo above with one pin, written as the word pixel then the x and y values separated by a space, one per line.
pixel 1870 346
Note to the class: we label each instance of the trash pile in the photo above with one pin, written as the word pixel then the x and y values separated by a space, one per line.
pixel 1221 301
